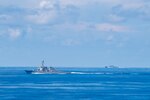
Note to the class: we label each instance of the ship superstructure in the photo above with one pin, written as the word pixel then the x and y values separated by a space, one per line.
pixel 44 70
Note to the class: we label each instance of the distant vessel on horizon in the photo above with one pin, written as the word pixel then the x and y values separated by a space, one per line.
pixel 111 66
pixel 45 70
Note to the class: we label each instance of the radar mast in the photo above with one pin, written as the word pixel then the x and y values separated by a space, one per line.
pixel 42 63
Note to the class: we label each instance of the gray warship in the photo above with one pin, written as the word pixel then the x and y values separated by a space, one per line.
pixel 45 70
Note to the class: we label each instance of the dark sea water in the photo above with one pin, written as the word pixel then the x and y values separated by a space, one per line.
pixel 84 84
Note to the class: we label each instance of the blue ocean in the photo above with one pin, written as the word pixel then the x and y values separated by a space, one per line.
pixel 82 84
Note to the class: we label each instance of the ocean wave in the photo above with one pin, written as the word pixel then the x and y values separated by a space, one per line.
pixel 104 85
pixel 94 73
pixel 74 73
pixel 106 73
pixel 90 73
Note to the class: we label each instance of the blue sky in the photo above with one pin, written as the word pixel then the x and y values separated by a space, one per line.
pixel 75 33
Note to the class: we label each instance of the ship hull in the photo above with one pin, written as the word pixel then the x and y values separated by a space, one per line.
pixel 29 71
pixel 36 72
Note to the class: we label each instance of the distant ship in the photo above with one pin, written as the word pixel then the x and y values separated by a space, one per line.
pixel 111 66
pixel 45 70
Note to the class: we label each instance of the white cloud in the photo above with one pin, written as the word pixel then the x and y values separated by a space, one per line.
pixel 107 27
pixel 72 26
pixel 42 17
pixel 4 17
pixel 115 18
pixel 132 5
pixel 43 3
pixel 47 3
pixel 45 12
pixel 126 4
pixel 81 3
pixel 14 33
pixel 110 38
pixel 71 42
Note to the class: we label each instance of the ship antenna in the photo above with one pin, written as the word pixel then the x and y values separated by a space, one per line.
pixel 43 63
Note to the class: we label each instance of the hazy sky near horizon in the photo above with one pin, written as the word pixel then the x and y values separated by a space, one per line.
pixel 75 33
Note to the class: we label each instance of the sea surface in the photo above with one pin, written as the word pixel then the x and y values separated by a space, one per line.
pixel 83 84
